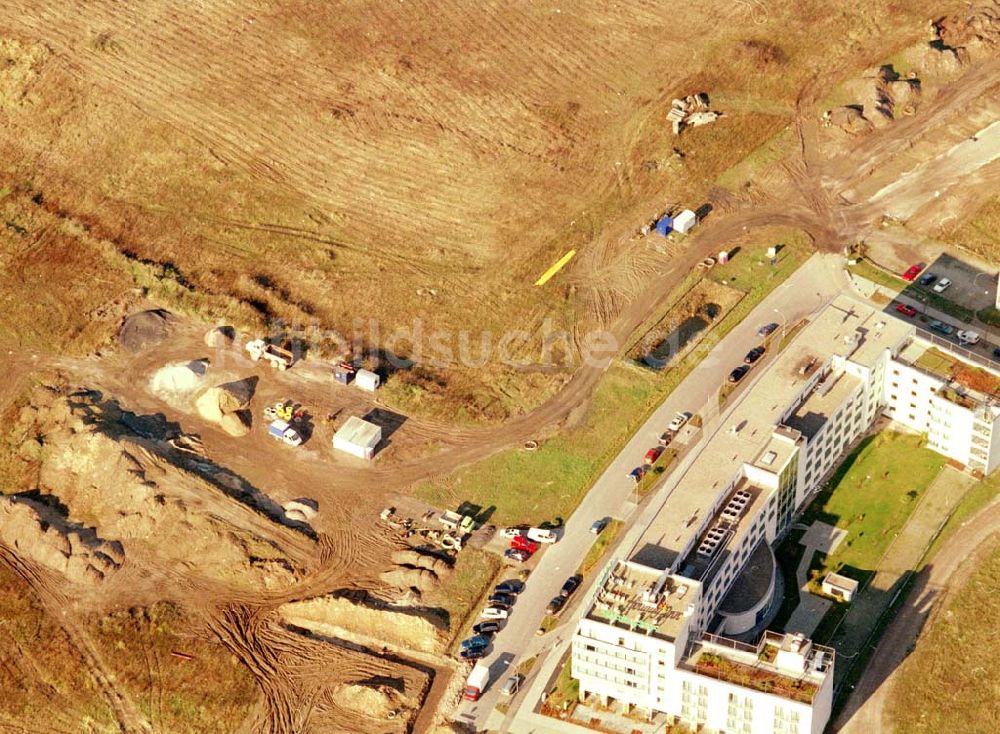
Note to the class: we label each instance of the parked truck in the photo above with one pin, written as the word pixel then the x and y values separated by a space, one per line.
pixel 281 431
pixel 478 679
pixel 274 355
pixel 454 521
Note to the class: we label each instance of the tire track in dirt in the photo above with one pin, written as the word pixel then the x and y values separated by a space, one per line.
pixel 51 594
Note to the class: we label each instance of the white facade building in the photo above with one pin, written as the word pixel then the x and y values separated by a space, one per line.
pixel 704 564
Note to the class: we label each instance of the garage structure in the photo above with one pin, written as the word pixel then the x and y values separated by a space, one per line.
pixel 358 437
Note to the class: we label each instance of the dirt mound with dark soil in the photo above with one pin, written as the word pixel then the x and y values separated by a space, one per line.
pixel 37 532
pixel 145 329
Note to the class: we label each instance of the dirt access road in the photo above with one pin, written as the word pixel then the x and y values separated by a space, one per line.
pixel 805 192
pixel 932 589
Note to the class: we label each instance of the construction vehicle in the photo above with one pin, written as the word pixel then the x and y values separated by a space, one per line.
pixel 476 683
pixel 453 521
pixel 275 356
pixel 280 430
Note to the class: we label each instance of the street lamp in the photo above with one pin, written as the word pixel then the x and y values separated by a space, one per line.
pixel 784 323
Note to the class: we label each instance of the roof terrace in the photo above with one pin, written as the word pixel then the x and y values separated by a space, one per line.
pixel 789 665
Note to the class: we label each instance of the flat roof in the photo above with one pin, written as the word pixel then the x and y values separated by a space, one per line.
pixel 828 395
pixel 847 328
pixel 703 568
pixel 625 600
pixel 359 432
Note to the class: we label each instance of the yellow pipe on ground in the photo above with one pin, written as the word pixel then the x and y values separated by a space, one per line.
pixel 555 268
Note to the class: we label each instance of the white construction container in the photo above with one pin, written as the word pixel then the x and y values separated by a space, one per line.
pixel 685 221
pixel 358 437
pixel 366 380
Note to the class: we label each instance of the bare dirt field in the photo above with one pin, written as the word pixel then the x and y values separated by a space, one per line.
pixel 296 167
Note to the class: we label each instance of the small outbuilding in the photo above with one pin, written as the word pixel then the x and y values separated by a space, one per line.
pixel 839 587
pixel 358 437
pixel 366 380
pixel 344 373
pixel 664 225
pixel 685 221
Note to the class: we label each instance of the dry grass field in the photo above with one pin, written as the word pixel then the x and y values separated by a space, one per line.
pixel 344 162
pixel 948 683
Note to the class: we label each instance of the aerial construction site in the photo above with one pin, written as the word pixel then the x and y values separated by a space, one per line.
pixel 320 321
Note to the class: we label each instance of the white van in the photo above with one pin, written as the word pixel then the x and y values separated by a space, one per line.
pixel 540 535
pixel 968 337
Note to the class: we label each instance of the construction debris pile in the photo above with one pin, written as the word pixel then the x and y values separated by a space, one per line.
pixel 883 96
pixel 691 111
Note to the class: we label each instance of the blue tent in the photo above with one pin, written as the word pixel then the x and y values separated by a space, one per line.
pixel 664 225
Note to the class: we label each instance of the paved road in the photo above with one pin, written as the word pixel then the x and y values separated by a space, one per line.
pixel 810 286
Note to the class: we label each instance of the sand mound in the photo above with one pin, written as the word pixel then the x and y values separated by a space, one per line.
pixel 39 533
pixel 145 329
pixel 337 616
pixel 235 424
pixel 850 120
pixel 178 379
pixel 420 560
pixel 226 405
pixel 220 337
pixel 164 513
pixel 374 701
pixel 404 578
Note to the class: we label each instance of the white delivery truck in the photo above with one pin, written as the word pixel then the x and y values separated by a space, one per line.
pixel 478 679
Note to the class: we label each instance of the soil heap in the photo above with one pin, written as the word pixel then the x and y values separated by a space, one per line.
pixel 145 329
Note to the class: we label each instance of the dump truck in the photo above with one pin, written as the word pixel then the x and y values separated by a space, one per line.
pixel 453 521
pixel 275 356
pixel 476 683
pixel 281 431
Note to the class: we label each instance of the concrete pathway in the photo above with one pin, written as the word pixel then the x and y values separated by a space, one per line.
pixel 811 609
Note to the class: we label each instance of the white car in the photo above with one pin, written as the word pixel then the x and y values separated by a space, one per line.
pixel 540 535
pixel 494 613
pixel 968 337
pixel 678 422
pixel 942 285
pixel 511 532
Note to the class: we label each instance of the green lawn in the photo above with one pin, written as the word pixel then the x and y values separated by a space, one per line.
pixel 871 495
pixel 876 275
pixel 547 484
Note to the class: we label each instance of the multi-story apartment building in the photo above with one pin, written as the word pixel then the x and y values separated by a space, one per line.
pixel 652 635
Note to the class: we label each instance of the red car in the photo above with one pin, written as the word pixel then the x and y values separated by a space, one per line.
pixel 913 271
pixel 653 454
pixel 906 310
pixel 523 544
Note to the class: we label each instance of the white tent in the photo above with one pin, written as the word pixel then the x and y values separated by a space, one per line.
pixel 358 437
pixel 685 221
